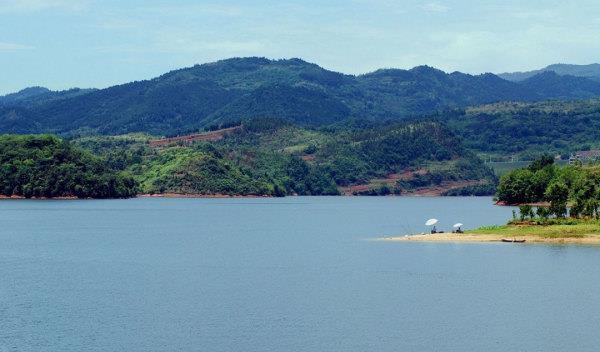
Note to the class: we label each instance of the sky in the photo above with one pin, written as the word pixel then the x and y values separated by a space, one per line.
pixel 62 44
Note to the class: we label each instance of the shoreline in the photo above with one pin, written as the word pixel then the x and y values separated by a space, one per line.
pixel 488 238
pixel 3 197
pixel 534 204
pixel 191 195
pixel 224 196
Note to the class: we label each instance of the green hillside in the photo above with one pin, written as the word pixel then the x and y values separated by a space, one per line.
pixel 45 166
pixel 528 129
pixel 591 71
pixel 274 157
pixel 33 96
pixel 242 89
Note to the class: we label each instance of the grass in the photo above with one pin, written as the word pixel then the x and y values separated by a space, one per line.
pixel 569 228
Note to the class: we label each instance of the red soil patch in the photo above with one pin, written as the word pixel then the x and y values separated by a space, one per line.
pixel 308 157
pixel 190 138
pixel 390 180
pixel 444 187
pixel 351 190
pixel 393 178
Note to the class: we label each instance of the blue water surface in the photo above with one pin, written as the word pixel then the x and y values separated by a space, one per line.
pixel 289 274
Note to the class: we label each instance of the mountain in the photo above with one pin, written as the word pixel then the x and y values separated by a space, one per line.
pixel 393 92
pixel 233 90
pixel 528 129
pixel 23 95
pixel 554 86
pixel 47 167
pixel 591 71
pixel 18 120
pixel 275 157
pixel 33 96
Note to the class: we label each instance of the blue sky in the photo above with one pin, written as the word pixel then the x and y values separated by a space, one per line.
pixel 93 43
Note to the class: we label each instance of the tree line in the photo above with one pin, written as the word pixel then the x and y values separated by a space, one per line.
pixel 572 190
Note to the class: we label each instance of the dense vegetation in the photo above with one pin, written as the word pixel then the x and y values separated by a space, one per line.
pixel 591 71
pixel 542 181
pixel 39 95
pixel 203 169
pixel 529 129
pixel 210 168
pixel 356 156
pixel 46 166
pixel 274 157
pixel 311 131
pixel 239 89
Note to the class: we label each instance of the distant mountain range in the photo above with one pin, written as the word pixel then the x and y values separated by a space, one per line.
pixel 232 90
pixel 38 95
pixel 586 71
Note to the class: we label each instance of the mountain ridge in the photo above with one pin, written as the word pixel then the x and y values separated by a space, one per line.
pixel 236 89
pixel 38 95
pixel 591 71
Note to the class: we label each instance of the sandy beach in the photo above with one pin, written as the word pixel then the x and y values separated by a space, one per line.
pixel 473 237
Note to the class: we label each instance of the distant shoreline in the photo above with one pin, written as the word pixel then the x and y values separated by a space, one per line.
pixel 533 204
pixel 3 197
pixel 483 238
pixel 222 196
pixel 191 195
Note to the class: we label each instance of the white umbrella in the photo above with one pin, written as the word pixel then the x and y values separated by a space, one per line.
pixel 457 225
pixel 431 222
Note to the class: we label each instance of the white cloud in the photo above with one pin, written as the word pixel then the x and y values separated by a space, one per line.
pixel 13 47
pixel 436 7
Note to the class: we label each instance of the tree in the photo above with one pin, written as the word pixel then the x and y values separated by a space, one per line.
pixel 586 193
pixel 541 162
pixel 515 187
pixel 557 194
pixel 526 211
pixel 543 212
pixel 540 181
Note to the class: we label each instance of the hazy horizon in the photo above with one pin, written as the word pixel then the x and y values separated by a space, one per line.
pixel 62 44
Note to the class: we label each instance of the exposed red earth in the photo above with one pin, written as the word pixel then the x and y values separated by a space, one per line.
pixel 190 138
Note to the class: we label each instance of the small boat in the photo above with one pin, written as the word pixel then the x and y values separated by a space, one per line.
pixel 512 240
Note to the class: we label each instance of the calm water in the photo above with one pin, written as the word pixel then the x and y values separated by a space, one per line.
pixel 293 274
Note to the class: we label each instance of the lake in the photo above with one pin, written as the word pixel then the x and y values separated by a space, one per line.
pixel 288 274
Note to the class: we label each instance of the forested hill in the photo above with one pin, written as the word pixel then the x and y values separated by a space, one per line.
pixel 274 157
pixel 591 71
pixel 228 91
pixel 529 129
pixel 33 96
pixel 48 167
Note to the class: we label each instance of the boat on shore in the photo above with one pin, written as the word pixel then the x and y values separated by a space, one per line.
pixel 512 240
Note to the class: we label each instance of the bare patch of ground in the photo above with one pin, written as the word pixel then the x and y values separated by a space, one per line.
pixel 190 138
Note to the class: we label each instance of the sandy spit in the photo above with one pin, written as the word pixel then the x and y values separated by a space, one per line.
pixel 472 237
